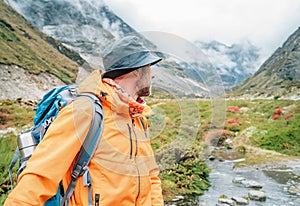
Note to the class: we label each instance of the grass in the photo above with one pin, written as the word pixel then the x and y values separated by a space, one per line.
pixel 280 135
pixel 184 170
pixel 270 140
pixel 17 115
pixel 8 146
pixel 181 125
pixel 23 45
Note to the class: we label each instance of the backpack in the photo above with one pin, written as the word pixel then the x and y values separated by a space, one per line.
pixel 46 112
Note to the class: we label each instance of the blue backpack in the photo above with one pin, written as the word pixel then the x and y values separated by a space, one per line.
pixel 46 112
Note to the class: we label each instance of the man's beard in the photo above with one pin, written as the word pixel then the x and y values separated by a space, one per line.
pixel 144 92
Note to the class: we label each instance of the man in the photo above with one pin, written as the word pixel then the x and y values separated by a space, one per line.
pixel 123 169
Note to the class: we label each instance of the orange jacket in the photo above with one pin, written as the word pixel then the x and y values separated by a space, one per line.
pixel 123 169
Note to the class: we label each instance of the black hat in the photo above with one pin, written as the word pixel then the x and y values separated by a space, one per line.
pixel 126 55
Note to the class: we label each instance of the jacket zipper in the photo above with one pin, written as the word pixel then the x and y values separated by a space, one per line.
pixel 97 199
pixel 130 140
pixel 135 155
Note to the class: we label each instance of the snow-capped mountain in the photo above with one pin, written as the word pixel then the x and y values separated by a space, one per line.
pixel 234 63
pixel 87 26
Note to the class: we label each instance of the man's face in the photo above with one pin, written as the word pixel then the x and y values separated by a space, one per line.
pixel 144 83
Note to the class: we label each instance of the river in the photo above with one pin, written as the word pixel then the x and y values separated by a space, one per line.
pixel 276 180
pixel 280 184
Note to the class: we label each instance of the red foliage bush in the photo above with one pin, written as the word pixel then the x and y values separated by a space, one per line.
pixel 277 114
pixel 218 132
pixel 279 111
pixel 288 116
pixel 234 109
pixel 233 121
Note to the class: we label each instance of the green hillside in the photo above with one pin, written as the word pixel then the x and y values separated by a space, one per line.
pixel 23 45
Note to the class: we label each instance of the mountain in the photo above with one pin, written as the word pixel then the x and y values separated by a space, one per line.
pixel 279 75
pixel 87 26
pixel 234 63
pixel 84 26
pixel 30 61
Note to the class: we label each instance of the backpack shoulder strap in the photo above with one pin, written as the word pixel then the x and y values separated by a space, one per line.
pixel 89 145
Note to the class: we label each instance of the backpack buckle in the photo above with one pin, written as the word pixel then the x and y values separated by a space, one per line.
pixel 73 91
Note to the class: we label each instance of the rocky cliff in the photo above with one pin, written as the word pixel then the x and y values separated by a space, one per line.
pixel 279 75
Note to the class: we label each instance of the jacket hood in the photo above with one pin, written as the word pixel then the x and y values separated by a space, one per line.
pixel 94 84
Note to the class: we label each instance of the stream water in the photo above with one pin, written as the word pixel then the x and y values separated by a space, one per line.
pixel 277 181
pixel 281 184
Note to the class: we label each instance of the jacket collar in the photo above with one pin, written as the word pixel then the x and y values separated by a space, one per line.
pixel 113 95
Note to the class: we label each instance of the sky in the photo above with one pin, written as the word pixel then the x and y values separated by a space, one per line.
pixel 265 23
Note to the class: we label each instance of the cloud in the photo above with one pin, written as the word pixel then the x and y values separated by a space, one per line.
pixel 266 23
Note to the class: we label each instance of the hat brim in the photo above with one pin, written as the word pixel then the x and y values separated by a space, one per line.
pixel 126 67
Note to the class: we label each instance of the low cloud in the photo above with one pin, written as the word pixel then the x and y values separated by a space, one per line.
pixel 266 23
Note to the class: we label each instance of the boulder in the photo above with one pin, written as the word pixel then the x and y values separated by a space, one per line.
pixel 238 180
pixel 226 201
pixel 257 195
pixel 252 184
pixel 240 200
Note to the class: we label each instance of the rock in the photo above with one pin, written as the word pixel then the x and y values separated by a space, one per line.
pixel 229 147
pixel 249 131
pixel 211 158
pixel 177 198
pixel 23 85
pixel 252 184
pixel 293 190
pixel 282 66
pixel 226 201
pixel 8 130
pixel 296 201
pixel 228 141
pixel 244 109
pixel 257 195
pixel 238 180
pixel 240 200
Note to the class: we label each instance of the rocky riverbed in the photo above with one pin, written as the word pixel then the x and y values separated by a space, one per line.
pixel 268 185
pixel 275 184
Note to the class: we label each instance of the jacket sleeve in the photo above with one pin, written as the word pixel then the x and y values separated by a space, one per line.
pixel 156 190
pixel 53 156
